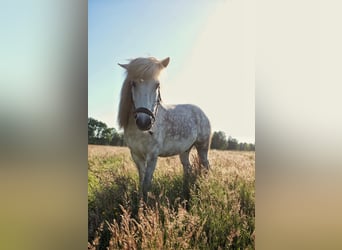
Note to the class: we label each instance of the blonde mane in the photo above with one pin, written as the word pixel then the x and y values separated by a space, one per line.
pixel 139 68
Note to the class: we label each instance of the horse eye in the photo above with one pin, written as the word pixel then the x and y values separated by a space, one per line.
pixel 133 83
pixel 157 85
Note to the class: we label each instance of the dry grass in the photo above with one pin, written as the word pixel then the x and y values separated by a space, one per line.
pixel 219 215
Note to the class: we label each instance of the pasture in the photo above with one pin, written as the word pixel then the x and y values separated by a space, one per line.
pixel 219 215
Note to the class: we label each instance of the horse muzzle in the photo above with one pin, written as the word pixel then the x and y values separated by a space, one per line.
pixel 144 118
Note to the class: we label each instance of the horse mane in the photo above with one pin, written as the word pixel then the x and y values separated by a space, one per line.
pixel 139 68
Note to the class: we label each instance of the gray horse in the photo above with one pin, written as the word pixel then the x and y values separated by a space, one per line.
pixel 153 129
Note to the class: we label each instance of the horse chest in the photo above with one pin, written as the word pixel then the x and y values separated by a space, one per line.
pixel 139 141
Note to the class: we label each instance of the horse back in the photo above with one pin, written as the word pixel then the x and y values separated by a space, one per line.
pixel 184 125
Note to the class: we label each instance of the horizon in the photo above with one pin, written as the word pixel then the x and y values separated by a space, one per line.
pixel 212 132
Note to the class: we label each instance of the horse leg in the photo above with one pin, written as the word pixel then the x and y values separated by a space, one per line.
pixel 184 158
pixel 151 165
pixel 141 165
pixel 202 151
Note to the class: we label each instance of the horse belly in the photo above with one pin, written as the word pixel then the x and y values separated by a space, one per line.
pixel 174 147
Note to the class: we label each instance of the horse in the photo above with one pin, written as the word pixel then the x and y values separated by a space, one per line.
pixel 153 129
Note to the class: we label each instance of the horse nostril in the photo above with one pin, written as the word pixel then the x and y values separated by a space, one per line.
pixel 144 123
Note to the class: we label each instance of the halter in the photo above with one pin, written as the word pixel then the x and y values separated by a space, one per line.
pixel 147 111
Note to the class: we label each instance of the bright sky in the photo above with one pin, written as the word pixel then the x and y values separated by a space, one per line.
pixel 211 45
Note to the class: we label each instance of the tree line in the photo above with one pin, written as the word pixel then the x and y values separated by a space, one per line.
pixel 100 134
pixel 221 142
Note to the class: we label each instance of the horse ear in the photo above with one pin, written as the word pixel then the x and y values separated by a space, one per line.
pixel 165 62
pixel 125 66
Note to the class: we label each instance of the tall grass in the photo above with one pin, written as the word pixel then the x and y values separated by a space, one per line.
pixel 219 215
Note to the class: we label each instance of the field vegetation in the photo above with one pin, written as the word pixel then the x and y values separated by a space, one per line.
pixel 219 215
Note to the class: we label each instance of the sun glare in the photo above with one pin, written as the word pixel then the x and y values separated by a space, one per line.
pixel 218 75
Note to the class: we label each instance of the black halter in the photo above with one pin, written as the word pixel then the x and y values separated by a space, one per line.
pixel 147 111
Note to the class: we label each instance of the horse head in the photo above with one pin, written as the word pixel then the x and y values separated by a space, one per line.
pixel 145 89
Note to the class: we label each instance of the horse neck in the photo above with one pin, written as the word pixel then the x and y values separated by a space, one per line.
pixel 162 107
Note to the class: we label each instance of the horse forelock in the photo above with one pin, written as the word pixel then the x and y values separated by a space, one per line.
pixel 144 68
pixel 139 68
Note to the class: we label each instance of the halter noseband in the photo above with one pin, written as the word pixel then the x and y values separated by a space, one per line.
pixel 147 111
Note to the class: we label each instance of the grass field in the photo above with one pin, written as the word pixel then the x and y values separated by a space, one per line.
pixel 219 215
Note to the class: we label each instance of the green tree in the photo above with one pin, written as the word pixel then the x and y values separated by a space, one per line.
pixel 218 141
pixel 99 133
pixel 243 146
pixel 233 143
pixel 92 124
pixel 96 130
pixel 106 135
pixel 118 139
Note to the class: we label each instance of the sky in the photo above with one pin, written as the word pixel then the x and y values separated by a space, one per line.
pixel 211 45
